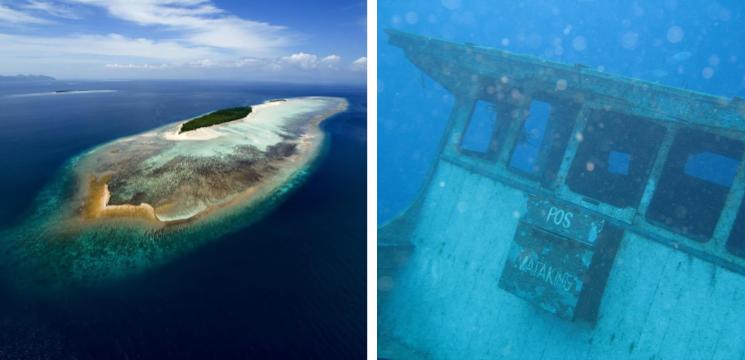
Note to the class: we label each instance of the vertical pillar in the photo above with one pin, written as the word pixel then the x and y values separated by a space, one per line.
pixel 731 207
pixel 513 133
pixel 571 150
pixel 457 124
pixel 656 172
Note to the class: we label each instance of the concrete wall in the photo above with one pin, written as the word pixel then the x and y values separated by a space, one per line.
pixel 445 303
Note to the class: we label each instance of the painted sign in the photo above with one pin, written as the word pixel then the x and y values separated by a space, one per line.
pixel 559 259
pixel 564 220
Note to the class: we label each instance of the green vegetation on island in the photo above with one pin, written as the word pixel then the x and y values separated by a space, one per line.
pixel 217 117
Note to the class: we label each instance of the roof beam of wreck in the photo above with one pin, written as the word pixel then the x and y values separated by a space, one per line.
pixel 461 68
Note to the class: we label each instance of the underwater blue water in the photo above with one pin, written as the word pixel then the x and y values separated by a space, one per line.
pixel 288 285
pixel 696 44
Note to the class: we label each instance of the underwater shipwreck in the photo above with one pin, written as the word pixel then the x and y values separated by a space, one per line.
pixel 601 217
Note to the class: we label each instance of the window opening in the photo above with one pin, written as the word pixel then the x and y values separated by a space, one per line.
pixel 614 158
pixel 543 140
pixel 479 136
pixel 695 182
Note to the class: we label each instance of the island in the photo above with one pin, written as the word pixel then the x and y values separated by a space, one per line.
pixel 179 172
pixel 137 201
pixel 217 117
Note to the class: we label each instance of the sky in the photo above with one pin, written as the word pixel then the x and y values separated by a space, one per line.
pixel 276 40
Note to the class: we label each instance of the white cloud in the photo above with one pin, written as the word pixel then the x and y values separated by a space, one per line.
pixel 8 15
pixel 360 64
pixel 92 47
pixel 200 23
pixel 332 61
pixel 57 10
pixel 301 60
pixel 256 64
pixel 137 66
pixel 305 61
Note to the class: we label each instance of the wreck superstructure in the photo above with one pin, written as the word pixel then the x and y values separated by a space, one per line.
pixel 601 217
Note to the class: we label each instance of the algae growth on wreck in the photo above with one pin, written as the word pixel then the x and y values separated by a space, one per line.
pixel 131 203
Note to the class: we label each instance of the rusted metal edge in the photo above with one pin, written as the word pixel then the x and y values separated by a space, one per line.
pixel 658 102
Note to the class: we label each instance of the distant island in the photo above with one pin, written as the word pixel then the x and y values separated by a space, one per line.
pixel 25 78
pixel 63 92
pixel 217 117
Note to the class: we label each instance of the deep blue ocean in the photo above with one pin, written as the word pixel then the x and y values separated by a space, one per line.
pixel 695 44
pixel 291 285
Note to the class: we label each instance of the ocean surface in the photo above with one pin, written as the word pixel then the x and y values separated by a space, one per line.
pixel 695 44
pixel 292 284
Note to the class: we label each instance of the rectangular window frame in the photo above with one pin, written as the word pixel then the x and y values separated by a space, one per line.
pixel 501 111
pixel 657 221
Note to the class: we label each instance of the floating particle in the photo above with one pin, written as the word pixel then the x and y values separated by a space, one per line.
pixel 561 84
pixel 590 166
pixel 579 43
pixel 385 283
pixel 638 10
pixel 505 42
pixel 707 72
pixel 629 40
pixel 681 56
pixel 675 34
pixel 411 17
pixel 451 4
pixel 714 60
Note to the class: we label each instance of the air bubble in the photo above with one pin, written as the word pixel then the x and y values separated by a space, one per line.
pixel 451 4
pixel 561 85
pixel 629 40
pixel 579 43
pixel 675 34
pixel 707 72
pixel 411 17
